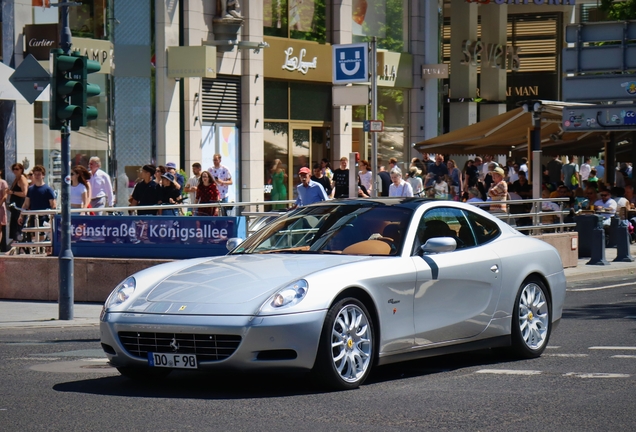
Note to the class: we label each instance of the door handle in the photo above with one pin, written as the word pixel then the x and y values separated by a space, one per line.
pixel 494 268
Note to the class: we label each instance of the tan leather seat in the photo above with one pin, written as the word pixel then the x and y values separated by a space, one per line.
pixel 368 247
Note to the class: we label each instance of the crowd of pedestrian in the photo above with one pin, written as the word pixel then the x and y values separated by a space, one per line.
pixel 481 180
pixel 92 190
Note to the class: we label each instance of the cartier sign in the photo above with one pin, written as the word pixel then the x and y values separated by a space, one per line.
pixel 39 39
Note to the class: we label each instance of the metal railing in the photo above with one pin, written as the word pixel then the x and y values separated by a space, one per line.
pixel 36 239
pixel 257 219
pixel 44 234
pixel 536 213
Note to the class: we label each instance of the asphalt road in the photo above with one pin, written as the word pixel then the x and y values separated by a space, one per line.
pixel 57 379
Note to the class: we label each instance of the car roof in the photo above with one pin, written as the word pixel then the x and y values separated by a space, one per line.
pixel 409 202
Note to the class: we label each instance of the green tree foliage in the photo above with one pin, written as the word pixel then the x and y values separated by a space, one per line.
pixel 619 11
pixel 393 26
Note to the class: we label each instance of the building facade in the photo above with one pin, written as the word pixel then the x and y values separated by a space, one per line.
pixel 256 85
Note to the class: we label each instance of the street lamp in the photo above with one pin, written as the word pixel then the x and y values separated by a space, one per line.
pixel 534 144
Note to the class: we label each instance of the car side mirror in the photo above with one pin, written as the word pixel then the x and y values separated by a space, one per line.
pixel 439 245
pixel 233 243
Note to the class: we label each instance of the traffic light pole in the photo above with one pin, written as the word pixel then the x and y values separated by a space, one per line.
pixel 66 261
pixel 374 116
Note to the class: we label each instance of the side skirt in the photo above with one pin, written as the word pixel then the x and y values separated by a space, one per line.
pixel 423 352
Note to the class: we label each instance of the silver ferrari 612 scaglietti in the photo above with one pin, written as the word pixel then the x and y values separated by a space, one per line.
pixel 338 287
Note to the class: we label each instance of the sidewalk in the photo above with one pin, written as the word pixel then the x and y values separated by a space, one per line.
pixel 585 272
pixel 24 314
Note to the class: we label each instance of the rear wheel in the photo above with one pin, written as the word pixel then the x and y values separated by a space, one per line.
pixel 347 346
pixel 143 373
pixel 531 320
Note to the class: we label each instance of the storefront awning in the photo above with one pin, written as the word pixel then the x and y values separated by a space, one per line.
pixel 507 133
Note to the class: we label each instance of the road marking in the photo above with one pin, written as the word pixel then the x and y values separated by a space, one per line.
pixel 596 375
pixel 612 348
pixel 564 355
pixel 552 347
pixel 508 372
pixel 624 356
pixel 602 288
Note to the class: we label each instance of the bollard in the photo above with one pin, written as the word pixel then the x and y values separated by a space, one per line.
pixel 612 238
pixel 598 248
pixel 622 243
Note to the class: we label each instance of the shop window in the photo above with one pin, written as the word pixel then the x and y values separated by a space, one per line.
pixel 296 19
pixel 88 20
pixel 392 108
pixel 276 144
pixel 385 19
pixel 276 100
pixel 310 102
pixel 393 111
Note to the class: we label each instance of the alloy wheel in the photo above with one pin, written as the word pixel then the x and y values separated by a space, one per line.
pixel 351 343
pixel 534 316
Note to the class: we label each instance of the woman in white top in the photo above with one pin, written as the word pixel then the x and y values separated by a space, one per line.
pixel 399 188
pixel 414 180
pixel 365 175
pixel 79 191
pixel 441 188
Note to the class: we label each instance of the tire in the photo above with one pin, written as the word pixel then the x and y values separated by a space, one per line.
pixel 531 320
pixel 345 353
pixel 145 374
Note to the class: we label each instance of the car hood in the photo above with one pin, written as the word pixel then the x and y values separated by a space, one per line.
pixel 232 284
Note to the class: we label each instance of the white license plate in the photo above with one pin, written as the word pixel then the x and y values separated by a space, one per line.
pixel 178 361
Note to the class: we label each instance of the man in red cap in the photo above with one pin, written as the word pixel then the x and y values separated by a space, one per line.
pixel 309 191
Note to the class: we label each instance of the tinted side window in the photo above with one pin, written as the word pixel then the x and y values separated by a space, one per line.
pixel 483 229
pixel 445 222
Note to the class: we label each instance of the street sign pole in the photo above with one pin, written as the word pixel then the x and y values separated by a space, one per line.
pixel 374 116
pixel 66 261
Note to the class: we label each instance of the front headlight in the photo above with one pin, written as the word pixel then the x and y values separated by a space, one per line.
pixel 121 293
pixel 288 296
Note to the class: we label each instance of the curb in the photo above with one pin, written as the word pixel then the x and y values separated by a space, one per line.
pixel 600 274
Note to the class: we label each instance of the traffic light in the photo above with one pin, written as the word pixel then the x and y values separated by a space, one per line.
pixel 70 90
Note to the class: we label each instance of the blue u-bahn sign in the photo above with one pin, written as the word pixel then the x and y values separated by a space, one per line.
pixel 171 237
pixel 350 63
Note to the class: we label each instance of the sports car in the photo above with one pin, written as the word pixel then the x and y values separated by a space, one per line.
pixel 339 287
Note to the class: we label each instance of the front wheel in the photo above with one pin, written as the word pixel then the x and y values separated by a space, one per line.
pixel 347 345
pixel 531 320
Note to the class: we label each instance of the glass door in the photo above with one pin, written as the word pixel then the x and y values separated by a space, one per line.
pixel 300 151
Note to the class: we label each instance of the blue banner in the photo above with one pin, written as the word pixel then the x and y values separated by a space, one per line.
pixel 170 237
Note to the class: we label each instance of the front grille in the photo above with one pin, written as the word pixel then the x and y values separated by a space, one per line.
pixel 205 347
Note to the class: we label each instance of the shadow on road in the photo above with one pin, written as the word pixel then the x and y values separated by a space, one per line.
pixel 602 311
pixel 438 364
pixel 225 385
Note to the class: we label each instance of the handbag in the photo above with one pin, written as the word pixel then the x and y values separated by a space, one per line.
pixel 574 180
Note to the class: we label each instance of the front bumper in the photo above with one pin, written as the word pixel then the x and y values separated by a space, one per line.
pixel 262 338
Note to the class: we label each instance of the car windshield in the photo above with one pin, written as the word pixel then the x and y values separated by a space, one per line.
pixel 351 229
